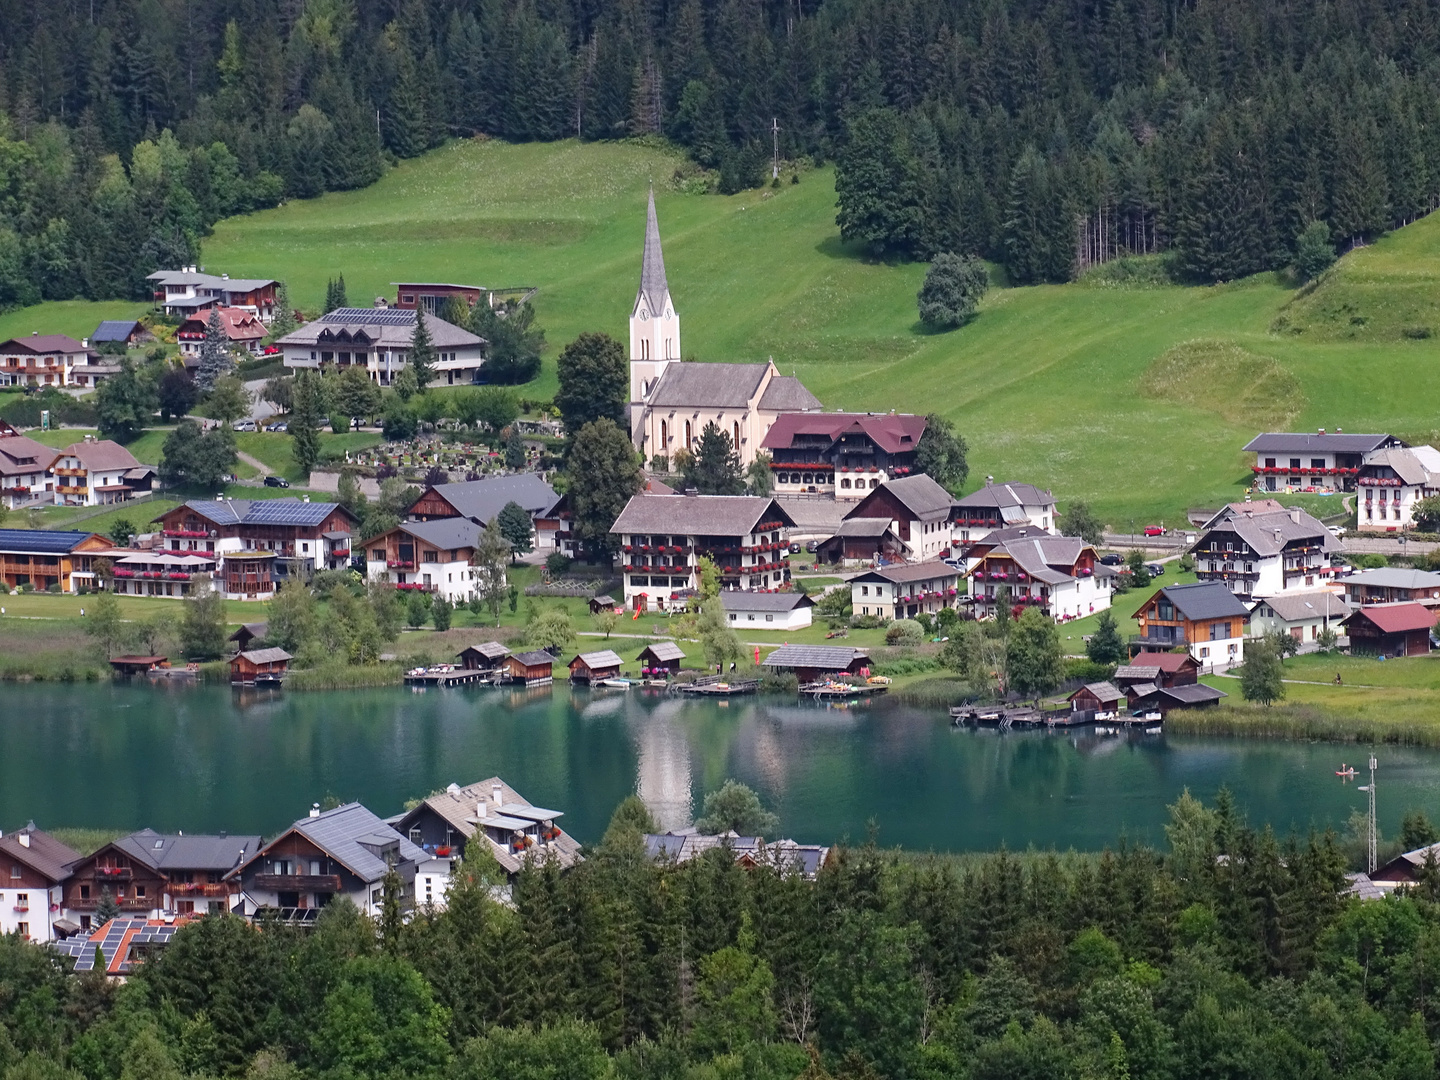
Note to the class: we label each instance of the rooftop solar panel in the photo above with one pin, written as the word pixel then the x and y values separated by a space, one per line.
pixel 41 541
pixel 371 316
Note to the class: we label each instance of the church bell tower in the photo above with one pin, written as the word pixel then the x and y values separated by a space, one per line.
pixel 654 326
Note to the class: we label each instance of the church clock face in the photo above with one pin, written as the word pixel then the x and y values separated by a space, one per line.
pixel 667 313
pixel 644 315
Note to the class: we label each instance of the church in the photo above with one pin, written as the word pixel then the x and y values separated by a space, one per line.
pixel 672 401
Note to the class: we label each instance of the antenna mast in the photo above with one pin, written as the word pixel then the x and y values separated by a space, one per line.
pixel 775 149
pixel 1370 821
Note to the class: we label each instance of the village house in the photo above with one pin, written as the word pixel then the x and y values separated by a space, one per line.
pixel 861 540
pixel 157 572
pixel 432 296
pixel 772 610
pixel 124 332
pixel 259 667
pixel 492 812
pixel 905 590
pixel 41 558
pixel 671 402
pixel 379 340
pixel 663 537
pixel 481 501
pixel 25 471
pixel 1102 699
pixel 1061 575
pixel 595 667
pixel 532 668
pixel 749 852
pixel 1157 669
pixel 1205 617
pixel 429 557
pixel 1391 630
pixel 811 662
pixel 347 851
pixel 917 510
pixel 1304 616
pixel 1391 482
pixel 242 332
pixel 1002 506
pixel 840 455
pixel 1384 585
pixel 43 360
pixel 151 875
pixel 187 291
pixel 1405 869
pixel 1286 461
pixel 261 542
pixel 1262 549
pixel 98 472
pixel 35 866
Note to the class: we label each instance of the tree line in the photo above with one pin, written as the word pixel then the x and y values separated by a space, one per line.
pixel 1232 953
pixel 1048 136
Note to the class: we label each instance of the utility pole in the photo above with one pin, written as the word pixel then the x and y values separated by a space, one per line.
pixel 1370 821
pixel 775 148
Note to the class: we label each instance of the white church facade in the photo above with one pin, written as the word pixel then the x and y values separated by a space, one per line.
pixel 672 401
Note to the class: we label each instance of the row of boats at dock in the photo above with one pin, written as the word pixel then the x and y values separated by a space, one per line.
pixel 1006 717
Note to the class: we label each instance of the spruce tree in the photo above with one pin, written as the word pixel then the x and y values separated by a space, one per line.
pixel 714 469
pixel 215 359
pixel 305 420
pixel 422 353
pixel 284 319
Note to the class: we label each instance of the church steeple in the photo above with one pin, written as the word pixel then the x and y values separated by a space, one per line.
pixel 654 325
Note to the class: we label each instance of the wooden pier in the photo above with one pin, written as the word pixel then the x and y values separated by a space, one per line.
pixel 458 677
pixel 837 691
pixel 714 686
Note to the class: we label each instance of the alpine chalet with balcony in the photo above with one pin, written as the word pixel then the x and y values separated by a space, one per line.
pixel 1002 506
pixel 1061 575
pixel 1324 461
pixel 840 455
pixel 187 291
pixel 904 590
pixel 663 537
pixel 98 472
pixel 1258 549
pixel 35 866
pixel 1205 617
pixel 428 557
pixel 378 340
pixel 1391 482
pixel 916 510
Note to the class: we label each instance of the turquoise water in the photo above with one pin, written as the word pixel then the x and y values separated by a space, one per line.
pixel 205 759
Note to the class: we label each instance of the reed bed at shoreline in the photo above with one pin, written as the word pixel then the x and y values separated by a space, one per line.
pixel 345 677
pixel 1305 722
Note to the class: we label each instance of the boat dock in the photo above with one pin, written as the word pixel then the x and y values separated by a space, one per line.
pixel 453 677
pixel 714 686
pixel 838 691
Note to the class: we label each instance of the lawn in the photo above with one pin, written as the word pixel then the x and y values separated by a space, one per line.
pixel 276 449
pixel 1135 399
pixel 1123 607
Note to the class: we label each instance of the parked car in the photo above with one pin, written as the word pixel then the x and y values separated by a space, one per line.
pixel 1112 559
pixel 276 481
pixel 1154 530
pixel 245 425
pixel 811 545
pixel 278 425
pixel 1156 569
pixel 795 547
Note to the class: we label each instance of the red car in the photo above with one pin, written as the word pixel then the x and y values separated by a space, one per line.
pixel 1154 530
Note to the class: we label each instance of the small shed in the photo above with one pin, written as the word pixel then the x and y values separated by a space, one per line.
pixel 125 332
pixel 1097 697
pixel 258 667
pixel 1165 699
pixel 811 662
pixel 249 632
pixel 860 538
pixel 138 665
pixel 1391 629
pixel 487 656
pixel 529 668
pixel 662 658
pixel 604 602
pixel 593 667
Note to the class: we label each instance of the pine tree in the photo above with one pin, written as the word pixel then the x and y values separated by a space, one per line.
pixel 422 352
pixel 305 420
pixel 284 319
pixel 215 359
pixel 335 294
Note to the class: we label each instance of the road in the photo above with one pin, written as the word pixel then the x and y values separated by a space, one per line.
pixel 260 411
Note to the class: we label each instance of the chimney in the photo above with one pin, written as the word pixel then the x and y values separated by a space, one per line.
pixel 315 809
pixel 84 342
pixel 24 839
pixel 480 810
pixel 495 794
pixel 691 492
pixel 224 277
pixel 34 333
pixel 1295 514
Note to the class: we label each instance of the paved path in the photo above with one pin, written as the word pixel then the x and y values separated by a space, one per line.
pixel 253 462
pixel 260 411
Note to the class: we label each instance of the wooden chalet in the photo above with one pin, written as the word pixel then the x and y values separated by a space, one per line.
pixel 1162 669
pixel 1206 618
pixel 593 667
pixel 259 667
pixel 138 665
pixel 661 658
pixel 1391 629
pixel 1145 698
pixel 1101 697
pixel 39 865
pixel 529 668
pixel 601 603
pixel 41 558
pixel 487 656
pixel 812 662
pixel 248 634
pixel 149 874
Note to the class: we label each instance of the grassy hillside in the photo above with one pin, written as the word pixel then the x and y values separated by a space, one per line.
pixel 1136 399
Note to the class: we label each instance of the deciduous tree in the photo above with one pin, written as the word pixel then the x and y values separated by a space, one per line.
pixel 1034 662
pixel 954 286
pixel 941 454
pixel 594 382
pixel 603 473
pixel 192 457
pixel 516 527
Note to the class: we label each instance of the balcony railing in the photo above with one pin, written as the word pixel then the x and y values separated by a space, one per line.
pixel 1154 641
pixel 113 873
pixel 298 882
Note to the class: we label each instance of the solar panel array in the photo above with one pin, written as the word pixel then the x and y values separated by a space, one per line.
pixel 286 512
pixel 372 316
pixel 39 541
pixel 112 940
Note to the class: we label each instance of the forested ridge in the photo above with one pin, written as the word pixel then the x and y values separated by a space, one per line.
pixel 1046 135
pixel 1231 955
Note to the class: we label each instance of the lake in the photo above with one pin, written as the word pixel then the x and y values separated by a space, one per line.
pixel 209 758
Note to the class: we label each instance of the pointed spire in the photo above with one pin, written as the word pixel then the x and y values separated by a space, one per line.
pixel 653 286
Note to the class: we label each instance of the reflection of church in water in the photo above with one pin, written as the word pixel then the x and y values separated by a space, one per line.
pixel 662 765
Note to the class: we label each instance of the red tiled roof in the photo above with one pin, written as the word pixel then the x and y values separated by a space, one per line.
pixel 101 456
pixel 1165 661
pixel 238 324
pixel 892 432
pixel 1398 618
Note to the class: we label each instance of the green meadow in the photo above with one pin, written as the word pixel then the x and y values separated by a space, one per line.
pixel 1136 399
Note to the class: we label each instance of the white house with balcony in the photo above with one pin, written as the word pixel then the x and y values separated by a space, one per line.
pixel 1391 482
pixel 1319 461
pixel 1006 505
pixel 904 590
pixel 1061 575
pixel 379 340
pixel 429 557
pixel 1260 549
pixel 663 537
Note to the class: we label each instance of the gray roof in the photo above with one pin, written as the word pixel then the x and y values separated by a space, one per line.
pixel 1006 495
pixel 653 286
pixel 1416 465
pixel 535 658
pixel 1267 531
pixel 447 534
pixel 1205 600
pixel 601 658
pixel 711 386
pixel 482 500
pixel 1039 555
pixel 342 832
pixel 737 600
pixel 251 629
pixel 114 330
pixel 785 856
pixel 41 541
pixel 1137 671
pixel 786 393
pixel 663 650
pixel 1292 607
pixel 904 572
pixel 392 328
pixel 1282 442
pixel 165 853
pixel 863 527
pixel 458 806
pixel 1105 691
pixel 1393 577
pixel 266 656
pixel 491 650
pixel 1144 689
pixel 697 515
pixel 924 498
pixel 825 657
pixel 208 281
pixel 1192 693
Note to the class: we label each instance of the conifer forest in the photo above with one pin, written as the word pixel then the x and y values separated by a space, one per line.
pixel 1231 954
pixel 1046 136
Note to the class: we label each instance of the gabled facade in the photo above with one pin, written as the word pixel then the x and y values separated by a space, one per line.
pixel 241 329
pixel 918 512
pixel 767 610
pixel 905 590
pixel 1391 630
pixel 840 455
pixel 42 360
pixel 187 291
pixel 98 472
pixel 1263 549
pixel 1323 461
pixel 1304 616
pixel 25 475
pixel 1061 575
pixel 1002 506
pixel 1391 482
pixel 1206 618
pixel 33 869
pixel 379 340
pixel 427 556
pixel 663 537
pixel 347 851
pixel 481 501
pixel 43 557
pixel 1390 585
